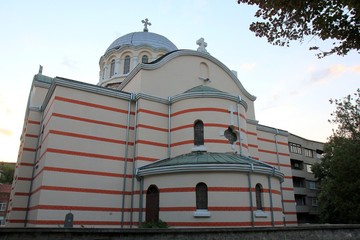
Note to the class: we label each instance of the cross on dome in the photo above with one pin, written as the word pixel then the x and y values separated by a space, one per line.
pixel 146 23
pixel 202 45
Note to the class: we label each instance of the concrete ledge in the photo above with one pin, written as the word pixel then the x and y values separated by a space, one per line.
pixel 306 232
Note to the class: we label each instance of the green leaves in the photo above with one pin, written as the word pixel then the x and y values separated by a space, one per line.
pixel 339 170
pixel 289 20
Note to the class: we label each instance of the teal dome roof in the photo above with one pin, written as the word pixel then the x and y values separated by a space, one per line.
pixel 137 39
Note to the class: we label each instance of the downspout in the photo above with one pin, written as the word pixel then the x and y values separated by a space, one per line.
pixel 250 195
pixel 141 179
pixel 134 166
pixel 271 200
pixel 40 134
pixel 238 120
pixel 126 160
pixel 169 128
pixel 278 163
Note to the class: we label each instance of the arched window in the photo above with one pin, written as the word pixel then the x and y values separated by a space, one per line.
pixel 127 64
pixel 152 204
pixel 258 196
pixel 201 196
pixel 145 59
pixel 112 68
pixel 198 133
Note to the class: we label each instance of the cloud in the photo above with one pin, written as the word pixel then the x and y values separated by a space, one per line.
pixel 247 66
pixel 328 74
pixel 68 62
pixel 6 132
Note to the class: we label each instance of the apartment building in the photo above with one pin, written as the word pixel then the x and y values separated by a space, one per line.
pixel 303 154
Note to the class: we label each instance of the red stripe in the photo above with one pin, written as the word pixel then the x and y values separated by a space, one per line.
pixel 152 128
pixel 21 194
pixel 182 143
pixel 31 135
pixel 151 143
pixel 287 189
pixel 199 110
pixel 29 149
pixel 140 110
pixel 84 154
pixel 90 120
pixel 70 134
pixel 251 133
pixel 148 159
pixel 34 122
pixel 78 208
pixel 26 164
pixel 24 179
pixel 182 127
pixel 88 104
pixel 87 172
pixel 82 190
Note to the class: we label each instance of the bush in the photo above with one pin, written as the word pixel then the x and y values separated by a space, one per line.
pixel 153 224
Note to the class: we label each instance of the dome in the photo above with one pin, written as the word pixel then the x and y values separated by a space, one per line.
pixel 136 39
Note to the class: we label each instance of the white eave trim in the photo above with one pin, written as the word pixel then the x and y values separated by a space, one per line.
pixel 210 168
pixel 185 52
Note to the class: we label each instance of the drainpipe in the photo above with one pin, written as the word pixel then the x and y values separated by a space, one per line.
pixel 126 159
pixel 278 163
pixel 141 179
pixel 169 128
pixel 271 201
pixel 239 125
pixel 134 166
pixel 251 198
pixel 40 134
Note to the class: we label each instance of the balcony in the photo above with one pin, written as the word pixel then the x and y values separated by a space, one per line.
pixel 300 191
pixel 302 208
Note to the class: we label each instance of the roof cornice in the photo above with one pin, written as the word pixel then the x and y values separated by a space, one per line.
pixel 59 81
pixel 210 168
pixel 185 52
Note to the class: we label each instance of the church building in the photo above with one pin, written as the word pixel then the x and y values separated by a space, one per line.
pixel 167 134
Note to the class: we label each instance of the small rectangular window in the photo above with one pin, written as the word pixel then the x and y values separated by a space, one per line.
pixel 308 152
pixel 2 206
pixel 312 185
pixel 295 148
pixel 308 168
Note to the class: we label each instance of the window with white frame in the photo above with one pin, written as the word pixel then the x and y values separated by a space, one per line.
pixel 2 206
pixel 308 168
pixel 312 185
pixel 314 202
pixel 127 64
pixel 308 152
pixel 295 148
pixel 112 68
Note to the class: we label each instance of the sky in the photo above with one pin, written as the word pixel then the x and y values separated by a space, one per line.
pixel 67 38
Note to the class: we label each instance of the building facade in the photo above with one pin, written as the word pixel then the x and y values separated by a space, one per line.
pixel 166 134
pixel 303 154
pixel 5 190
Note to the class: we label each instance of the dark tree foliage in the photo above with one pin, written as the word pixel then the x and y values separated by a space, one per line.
pixel 286 20
pixel 6 172
pixel 339 170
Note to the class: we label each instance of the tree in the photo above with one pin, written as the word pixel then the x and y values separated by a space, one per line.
pixel 6 172
pixel 339 170
pixel 286 20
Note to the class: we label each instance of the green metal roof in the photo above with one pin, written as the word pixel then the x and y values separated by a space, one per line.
pixel 43 78
pixel 206 158
pixel 202 88
pixel 208 162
